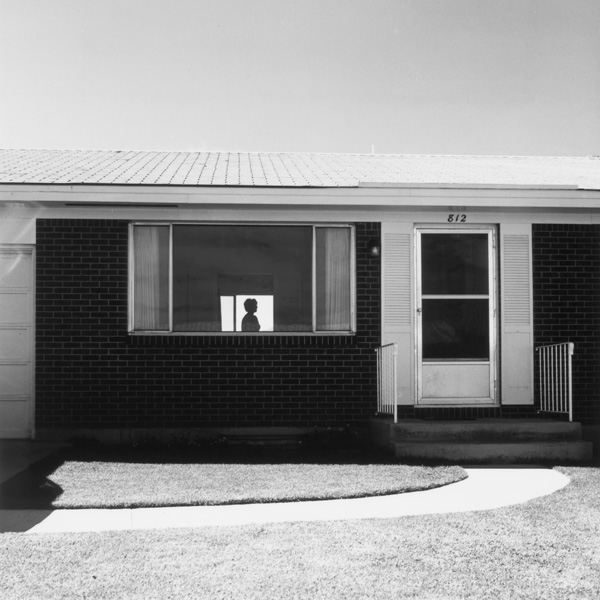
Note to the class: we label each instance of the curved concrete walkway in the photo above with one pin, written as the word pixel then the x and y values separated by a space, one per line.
pixel 486 488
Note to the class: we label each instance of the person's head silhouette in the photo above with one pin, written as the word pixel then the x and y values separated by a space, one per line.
pixel 251 305
pixel 250 321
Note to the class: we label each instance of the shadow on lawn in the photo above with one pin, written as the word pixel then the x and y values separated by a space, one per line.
pixel 26 498
pixel 330 446
pixel 224 452
pixel 32 488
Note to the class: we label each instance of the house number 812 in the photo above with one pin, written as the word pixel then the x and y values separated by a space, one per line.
pixel 457 218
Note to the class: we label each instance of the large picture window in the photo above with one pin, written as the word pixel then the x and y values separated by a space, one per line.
pixel 188 278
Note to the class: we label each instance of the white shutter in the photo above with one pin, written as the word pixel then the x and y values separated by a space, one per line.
pixel 517 315
pixel 397 301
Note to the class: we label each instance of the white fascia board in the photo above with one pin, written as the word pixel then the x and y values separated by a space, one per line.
pixel 470 186
pixel 26 195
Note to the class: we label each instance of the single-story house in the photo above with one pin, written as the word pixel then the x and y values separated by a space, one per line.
pixel 208 291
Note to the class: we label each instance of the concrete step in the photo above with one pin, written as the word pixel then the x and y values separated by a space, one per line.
pixel 495 452
pixel 486 430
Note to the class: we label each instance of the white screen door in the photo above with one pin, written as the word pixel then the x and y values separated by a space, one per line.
pixel 456 332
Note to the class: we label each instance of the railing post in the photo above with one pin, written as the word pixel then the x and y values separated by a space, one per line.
pixel 571 351
pixel 395 392
pixel 378 357
pixel 387 380
pixel 556 378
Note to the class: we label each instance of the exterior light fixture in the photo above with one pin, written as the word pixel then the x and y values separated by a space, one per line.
pixel 374 247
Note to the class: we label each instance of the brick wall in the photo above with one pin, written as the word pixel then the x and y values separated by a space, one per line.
pixel 91 374
pixel 566 288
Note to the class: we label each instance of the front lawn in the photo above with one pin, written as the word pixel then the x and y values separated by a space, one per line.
pixel 101 479
pixel 547 548
pixel 102 484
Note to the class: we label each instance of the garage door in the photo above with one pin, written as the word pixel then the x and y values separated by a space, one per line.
pixel 16 342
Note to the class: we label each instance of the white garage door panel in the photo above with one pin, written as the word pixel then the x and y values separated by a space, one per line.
pixel 16 341
pixel 15 381
pixel 15 344
pixel 14 415
pixel 15 269
pixel 15 307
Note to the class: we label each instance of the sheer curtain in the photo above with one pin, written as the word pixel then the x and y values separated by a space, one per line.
pixel 151 278
pixel 333 279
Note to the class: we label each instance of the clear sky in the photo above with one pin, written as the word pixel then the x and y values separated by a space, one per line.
pixel 393 76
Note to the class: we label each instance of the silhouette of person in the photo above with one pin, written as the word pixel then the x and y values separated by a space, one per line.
pixel 250 321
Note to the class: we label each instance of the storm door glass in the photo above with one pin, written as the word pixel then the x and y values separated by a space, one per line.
pixel 455 296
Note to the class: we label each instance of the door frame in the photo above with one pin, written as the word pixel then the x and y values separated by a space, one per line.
pixel 493 398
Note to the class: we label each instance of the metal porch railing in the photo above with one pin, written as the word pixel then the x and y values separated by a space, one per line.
pixel 556 387
pixel 387 380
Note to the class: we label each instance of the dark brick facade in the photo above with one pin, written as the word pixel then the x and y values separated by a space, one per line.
pixel 91 374
pixel 566 289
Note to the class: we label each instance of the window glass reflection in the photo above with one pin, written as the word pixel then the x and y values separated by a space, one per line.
pixel 455 329
pixel 250 278
pixel 454 263
pixel 241 262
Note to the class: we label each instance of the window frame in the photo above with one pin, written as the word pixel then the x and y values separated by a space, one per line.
pixel 314 332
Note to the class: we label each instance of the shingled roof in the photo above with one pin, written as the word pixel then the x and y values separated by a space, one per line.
pixel 97 167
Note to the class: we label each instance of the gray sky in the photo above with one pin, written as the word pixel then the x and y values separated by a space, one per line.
pixel 396 76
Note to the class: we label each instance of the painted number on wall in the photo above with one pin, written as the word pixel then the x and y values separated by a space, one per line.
pixel 457 218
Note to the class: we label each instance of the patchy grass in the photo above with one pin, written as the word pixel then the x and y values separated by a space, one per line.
pixel 97 479
pixel 547 548
pixel 109 485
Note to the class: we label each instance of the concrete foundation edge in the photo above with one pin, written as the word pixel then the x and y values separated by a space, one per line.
pixel 163 435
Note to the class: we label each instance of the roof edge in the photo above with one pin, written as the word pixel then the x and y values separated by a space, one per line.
pixel 474 186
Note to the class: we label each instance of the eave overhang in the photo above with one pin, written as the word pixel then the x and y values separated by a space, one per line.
pixel 365 196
